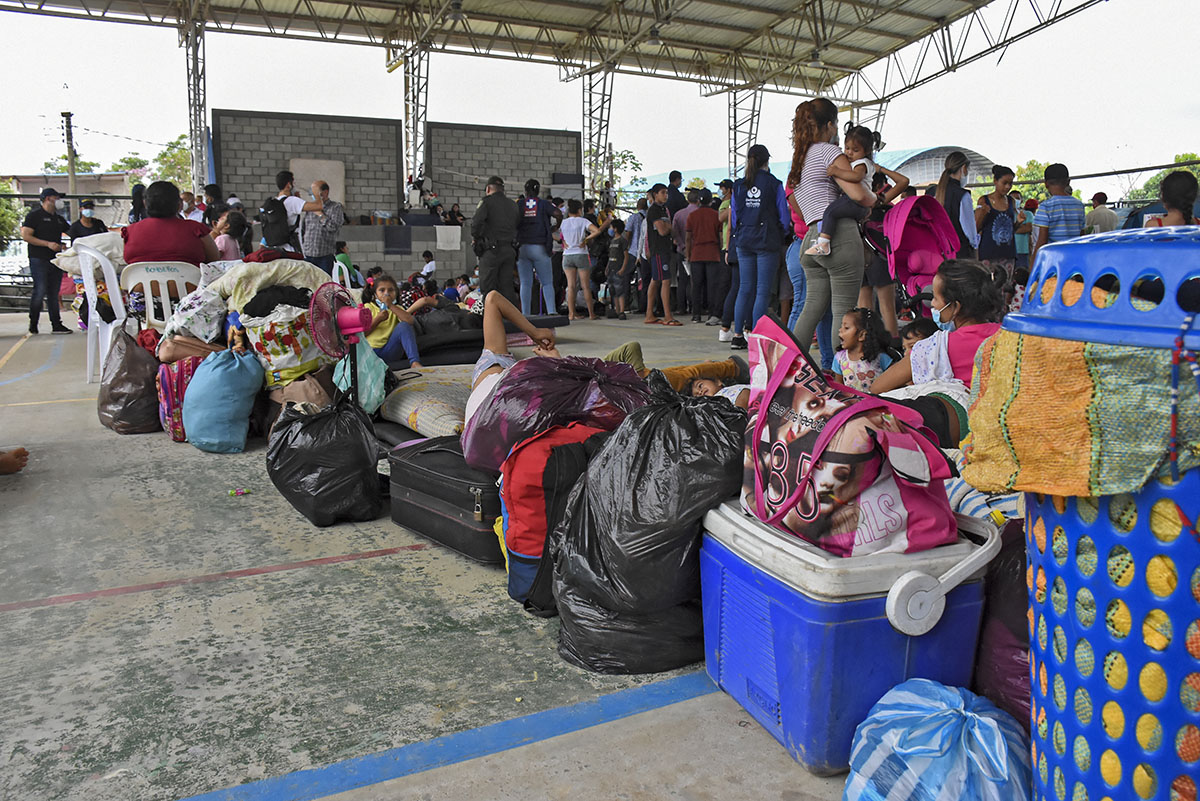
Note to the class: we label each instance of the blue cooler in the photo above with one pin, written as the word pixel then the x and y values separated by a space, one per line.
pixel 807 642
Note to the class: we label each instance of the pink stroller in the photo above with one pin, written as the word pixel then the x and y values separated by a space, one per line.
pixel 919 237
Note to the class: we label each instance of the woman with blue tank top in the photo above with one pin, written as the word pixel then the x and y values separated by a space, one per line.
pixel 757 217
pixel 996 221
pixel 535 218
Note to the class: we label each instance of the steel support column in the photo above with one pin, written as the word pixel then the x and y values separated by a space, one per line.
pixel 597 103
pixel 191 37
pixel 416 101
pixel 744 108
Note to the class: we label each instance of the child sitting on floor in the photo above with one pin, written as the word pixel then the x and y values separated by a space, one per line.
pixel 737 394
pixel 862 358
pixel 861 144
pixel 915 331
pixel 391 333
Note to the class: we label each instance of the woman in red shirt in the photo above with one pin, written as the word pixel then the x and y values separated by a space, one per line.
pixel 164 235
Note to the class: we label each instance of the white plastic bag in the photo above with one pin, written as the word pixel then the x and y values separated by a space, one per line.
pixel 924 740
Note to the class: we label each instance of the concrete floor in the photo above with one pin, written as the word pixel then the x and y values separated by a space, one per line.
pixel 163 639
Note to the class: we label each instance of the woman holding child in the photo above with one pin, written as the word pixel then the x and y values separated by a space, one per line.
pixel 833 272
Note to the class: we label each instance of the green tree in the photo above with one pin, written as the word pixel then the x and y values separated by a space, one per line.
pixel 58 165
pixel 11 213
pixel 1153 186
pixel 134 166
pixel 174 163
pixel 1033 170
pixel 625 169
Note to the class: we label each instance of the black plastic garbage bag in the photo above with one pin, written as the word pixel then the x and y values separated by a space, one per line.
pixel 539 393
pixel 128 399
pixel 602 641
pixel 324 461
pixel 630 540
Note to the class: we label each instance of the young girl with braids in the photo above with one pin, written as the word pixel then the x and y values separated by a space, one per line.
pixel 862 358
pixel 861 143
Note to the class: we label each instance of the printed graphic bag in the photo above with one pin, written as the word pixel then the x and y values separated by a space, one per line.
pixel 284 345
pixel 172 384
pixel 852 474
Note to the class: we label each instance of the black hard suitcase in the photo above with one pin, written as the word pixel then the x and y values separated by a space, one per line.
pixel 436 494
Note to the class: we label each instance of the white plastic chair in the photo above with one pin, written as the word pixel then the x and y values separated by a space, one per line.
pixel 167 276
pixel 341 274
pixel 99 333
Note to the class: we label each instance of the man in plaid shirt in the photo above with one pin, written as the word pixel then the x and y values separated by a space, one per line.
pixel 319 229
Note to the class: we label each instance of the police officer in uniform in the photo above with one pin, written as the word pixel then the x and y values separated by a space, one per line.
pixel 494 227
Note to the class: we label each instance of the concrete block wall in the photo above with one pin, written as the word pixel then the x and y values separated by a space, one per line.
pixel 249 147
pixel 460 158
pixel 365 245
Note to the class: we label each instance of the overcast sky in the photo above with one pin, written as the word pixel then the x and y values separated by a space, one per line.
pixel 1111 87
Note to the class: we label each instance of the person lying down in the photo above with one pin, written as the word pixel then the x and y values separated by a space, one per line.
pixel 496 359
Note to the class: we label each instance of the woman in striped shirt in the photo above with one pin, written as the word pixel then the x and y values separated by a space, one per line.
pixel 832 281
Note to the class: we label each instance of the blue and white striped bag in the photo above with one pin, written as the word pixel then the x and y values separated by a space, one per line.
pixel 924 741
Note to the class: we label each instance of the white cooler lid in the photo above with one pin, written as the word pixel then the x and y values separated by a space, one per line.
pixel 819 573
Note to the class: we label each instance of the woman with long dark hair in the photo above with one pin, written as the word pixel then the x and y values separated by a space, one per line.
pixel 832 282
pixel 757 216
pixel 956 200
pixel 137 211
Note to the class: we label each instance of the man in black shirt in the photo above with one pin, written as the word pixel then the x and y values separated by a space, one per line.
pixel 494 227
pixel 43 229
pixel 675 198
pixel 660 246
pixel 87 224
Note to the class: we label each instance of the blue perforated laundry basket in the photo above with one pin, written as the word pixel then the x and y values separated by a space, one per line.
pixel 1115 581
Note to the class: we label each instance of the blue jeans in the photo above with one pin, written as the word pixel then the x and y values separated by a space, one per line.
pixel 400 345
pixel 731 294
pixel 47 280
pixel 533 258
pixel 757 268
pixel 324 262
pixel 799 294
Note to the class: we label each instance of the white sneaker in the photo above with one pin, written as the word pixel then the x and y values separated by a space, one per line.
pixel 725 335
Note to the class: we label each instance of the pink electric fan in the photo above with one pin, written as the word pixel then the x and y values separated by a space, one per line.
pixel 336 324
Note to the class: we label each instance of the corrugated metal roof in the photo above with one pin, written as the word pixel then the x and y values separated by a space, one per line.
pixel 800 46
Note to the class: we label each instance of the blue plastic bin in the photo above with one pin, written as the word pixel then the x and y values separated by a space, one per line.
pixel 1114 581
pixel 801 639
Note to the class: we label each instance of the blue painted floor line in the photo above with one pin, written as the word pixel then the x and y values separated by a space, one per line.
pixel 309 785
pixel 55 353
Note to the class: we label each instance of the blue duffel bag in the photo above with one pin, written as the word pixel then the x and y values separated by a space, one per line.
pixel 216 408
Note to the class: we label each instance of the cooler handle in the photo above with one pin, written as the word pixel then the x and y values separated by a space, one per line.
pixel 917 600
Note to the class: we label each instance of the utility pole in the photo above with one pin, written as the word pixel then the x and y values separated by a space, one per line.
pixel 66 115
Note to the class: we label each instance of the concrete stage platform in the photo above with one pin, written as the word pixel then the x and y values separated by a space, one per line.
pixel 165 640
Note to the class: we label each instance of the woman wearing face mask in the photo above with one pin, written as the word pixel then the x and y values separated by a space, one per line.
pixel 966 304
pixel 956 200
pixel 87 224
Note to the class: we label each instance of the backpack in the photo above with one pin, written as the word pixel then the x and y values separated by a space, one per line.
pixel 274 217
pixel 172 382
pixel 535 481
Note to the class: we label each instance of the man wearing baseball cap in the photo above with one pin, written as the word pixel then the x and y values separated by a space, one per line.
pixel 1060 216
pixel 43 229
pixel 1101 219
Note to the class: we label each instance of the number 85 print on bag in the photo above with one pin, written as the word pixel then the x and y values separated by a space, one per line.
pixel 852 474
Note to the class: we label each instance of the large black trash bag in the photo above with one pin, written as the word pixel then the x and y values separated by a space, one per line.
pixel 627 566
pixel 631 538
pixel 618 643
pixel 325 463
